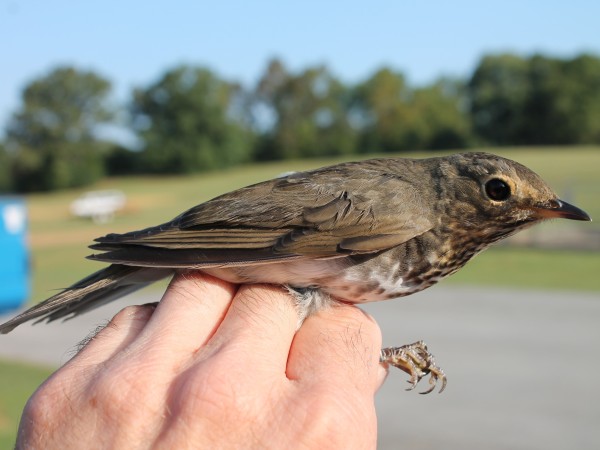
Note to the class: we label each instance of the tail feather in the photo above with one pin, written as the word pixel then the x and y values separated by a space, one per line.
pixel 99 288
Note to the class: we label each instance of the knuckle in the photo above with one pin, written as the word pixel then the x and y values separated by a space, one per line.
pixel 40 406
pixel 118 391
pixel 61 391
pixel 132 313
pixel 217 392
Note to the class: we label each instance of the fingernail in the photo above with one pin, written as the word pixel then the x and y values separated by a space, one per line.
pixel 154 304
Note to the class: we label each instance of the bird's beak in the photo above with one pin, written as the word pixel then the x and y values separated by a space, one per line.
pixel 557 209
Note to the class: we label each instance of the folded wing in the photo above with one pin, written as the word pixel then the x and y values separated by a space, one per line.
pixel 326 213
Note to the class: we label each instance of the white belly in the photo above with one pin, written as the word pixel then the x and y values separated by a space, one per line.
pixel 333 276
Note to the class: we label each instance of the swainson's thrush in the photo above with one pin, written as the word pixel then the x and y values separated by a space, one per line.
pixel 358 232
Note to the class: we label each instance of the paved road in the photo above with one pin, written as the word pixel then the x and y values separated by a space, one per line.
pixel 53 344
pixel 522 366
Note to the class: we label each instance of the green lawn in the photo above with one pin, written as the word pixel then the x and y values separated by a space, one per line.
pixel 533 269
pixel 17 383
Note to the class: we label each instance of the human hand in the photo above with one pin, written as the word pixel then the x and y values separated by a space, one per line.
pixel 214 365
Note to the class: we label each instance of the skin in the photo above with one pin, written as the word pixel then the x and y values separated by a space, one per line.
pixel 215 365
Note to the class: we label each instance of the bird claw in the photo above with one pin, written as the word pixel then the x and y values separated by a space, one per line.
pixel 415 360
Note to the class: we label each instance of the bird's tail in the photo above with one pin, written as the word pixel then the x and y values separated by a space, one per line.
pixel 99 288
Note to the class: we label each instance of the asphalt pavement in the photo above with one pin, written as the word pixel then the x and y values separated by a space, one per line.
pixel 522 366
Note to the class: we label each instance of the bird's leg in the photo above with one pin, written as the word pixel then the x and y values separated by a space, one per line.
pixel 416 361
pixel 414 358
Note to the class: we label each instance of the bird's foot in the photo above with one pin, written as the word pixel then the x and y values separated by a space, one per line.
pixel 415 360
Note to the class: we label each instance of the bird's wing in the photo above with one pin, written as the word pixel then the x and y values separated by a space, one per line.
pixel 327 213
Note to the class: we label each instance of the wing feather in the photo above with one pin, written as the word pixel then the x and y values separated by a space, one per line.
pixel 334 211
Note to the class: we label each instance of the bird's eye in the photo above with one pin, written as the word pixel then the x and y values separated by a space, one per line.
pixel 497 189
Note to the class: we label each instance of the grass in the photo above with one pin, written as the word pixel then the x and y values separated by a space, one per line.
pixel 533 268
pixel 17 383
pixel 59 242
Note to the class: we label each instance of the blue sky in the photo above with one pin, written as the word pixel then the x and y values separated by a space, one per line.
pixel 133 42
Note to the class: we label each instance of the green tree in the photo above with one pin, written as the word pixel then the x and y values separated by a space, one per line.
pixel 379 110
pixel 498 91
pixel 187 122
pixel 392 117
pixel 120 161
pixel 437 118
pixel 6 182
pixel 537 100
pixel 51 136
pixel 563 102
pixel 303 115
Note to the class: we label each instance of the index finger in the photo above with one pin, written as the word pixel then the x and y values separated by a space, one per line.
pixel 339 343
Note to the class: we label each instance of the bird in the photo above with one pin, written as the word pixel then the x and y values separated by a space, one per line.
pixel 355 232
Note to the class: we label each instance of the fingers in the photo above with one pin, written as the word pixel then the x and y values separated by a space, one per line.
pixel 103 345
pixel 197 318
pixel 259 327
pixel 255 326
pixel 190 311
pixel 338 343
pixel 106 341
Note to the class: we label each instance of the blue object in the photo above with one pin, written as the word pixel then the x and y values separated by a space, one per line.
pixel 14 254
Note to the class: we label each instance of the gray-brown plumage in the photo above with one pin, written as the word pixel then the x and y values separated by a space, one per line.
pixel 359 232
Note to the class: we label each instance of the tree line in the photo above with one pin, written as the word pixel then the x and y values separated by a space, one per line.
pixel 191 120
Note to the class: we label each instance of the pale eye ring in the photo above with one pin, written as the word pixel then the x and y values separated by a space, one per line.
pixel 497 189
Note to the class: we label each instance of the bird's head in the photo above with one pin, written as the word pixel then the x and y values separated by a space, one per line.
pixel 502 194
